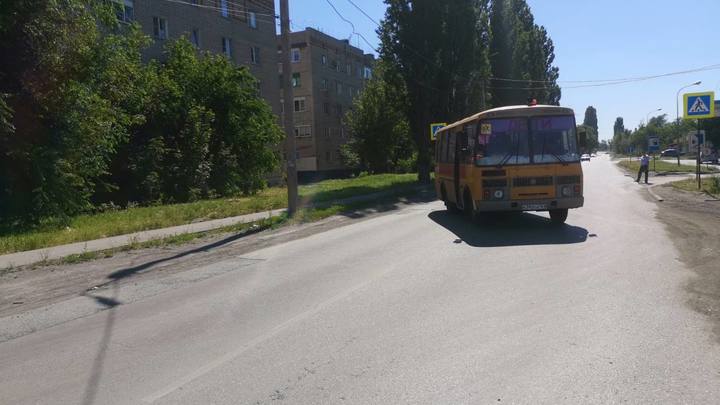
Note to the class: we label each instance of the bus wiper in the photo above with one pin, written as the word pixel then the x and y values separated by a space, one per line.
pixel 510 154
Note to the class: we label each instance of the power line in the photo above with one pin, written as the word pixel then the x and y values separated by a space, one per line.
pixel 229 11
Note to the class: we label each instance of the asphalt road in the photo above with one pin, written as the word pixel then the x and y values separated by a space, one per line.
pixel 415 306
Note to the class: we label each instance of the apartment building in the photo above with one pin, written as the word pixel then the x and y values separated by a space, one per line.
pixel 243 30
pixel 327 74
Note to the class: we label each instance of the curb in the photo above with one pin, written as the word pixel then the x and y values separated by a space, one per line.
pixel 29 257
pixel 654 195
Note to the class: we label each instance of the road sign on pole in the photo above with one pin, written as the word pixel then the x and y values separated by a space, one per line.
pixel 699 105
pixel 434 127
pixel 653 143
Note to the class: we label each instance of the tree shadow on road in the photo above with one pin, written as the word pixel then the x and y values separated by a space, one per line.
pixel 519 229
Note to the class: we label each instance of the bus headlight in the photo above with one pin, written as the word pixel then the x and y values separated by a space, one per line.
pixel 499 194
pixel 567 191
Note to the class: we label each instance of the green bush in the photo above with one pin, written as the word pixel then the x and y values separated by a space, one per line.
pixel 85 122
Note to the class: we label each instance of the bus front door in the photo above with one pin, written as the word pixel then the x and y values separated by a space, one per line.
pixel 459 153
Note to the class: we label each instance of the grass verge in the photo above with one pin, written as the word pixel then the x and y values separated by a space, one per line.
pixel 303 215
pixel 664 166
pixel 710 186
pixel 120 222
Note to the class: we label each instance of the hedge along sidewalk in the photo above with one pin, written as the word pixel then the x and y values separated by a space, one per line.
pixel 58 252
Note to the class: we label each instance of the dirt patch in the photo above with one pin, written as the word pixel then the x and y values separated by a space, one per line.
pixel 28 288
pixel 693 222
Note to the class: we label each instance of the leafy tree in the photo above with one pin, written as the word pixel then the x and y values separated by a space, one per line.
pixel 619 143
pixel 439 50
pixel 66 125
pixel 206 132
pixel 380 134
pixel 84 121
pixel 522 56
pixel 591 118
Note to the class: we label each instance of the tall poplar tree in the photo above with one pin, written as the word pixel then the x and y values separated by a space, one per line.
pixel 439 49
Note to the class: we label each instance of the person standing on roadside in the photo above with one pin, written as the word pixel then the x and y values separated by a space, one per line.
pixel 644 166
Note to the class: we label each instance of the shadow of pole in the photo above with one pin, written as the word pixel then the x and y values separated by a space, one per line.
pixel 96 371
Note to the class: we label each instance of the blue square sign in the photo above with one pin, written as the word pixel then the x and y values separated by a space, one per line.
pixel 699 105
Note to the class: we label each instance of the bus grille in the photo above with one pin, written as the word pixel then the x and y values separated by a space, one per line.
pixel 532 181
pixel 493 173
pixel 495 183
pixel 568 179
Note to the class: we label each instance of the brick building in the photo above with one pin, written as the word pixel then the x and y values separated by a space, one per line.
pixel 243 30
pixel 327 73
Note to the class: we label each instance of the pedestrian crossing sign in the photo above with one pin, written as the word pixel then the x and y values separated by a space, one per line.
pixel 434 127
pixel 699 105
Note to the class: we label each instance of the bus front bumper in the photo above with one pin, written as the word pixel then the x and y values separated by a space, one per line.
pixel 530 205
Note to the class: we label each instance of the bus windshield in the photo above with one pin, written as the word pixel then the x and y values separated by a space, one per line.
pixel 502 141
pixel 509 141
pixel 553 139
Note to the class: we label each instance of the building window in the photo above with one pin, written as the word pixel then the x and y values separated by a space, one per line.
pixel 296 79
pixel 258 88
pixel 327 132
pixel 303 131
pixel 339 110
pixel 326 108
pixel 252 19
pixel 327 155
pixel 195 37
pixel 124 10
pixel 323 59
pixel 367 73
pixel 295 55
pixel 338 87
pixel 348 69
pixel 324 84
pixel 160 28
pixel 333 65
pixel 224 8
pixel 227 47
pixel 299 104
pixel 255 54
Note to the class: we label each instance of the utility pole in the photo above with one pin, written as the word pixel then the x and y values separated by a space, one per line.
pixel 292 181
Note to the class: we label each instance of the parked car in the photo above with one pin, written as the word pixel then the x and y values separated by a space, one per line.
pixel 585 156
pixel 592 155
pixel 669 153
pixel 710 158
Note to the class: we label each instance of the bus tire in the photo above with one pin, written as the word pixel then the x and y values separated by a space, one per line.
pixel 558 216
pixel 450 206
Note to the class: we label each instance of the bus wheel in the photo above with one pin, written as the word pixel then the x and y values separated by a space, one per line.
pixel 450 206
pixel 559 216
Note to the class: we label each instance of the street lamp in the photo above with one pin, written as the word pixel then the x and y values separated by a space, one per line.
pixel 677 104
pixel 647 116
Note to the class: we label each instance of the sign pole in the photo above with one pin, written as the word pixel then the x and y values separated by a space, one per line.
pixel 292 179
pixel 698 157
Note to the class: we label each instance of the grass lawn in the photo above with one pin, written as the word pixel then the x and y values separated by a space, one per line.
pixel 709 185
pixel 665 166
pixel 94 226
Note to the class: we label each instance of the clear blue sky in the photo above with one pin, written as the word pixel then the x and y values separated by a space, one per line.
pixel 594 40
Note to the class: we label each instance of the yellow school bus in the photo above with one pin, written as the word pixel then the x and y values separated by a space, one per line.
pixel 516 158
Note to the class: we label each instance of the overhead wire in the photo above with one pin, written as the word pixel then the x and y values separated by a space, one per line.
pixel 230 11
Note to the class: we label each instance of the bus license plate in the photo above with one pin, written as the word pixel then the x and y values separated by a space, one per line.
pixel 534 207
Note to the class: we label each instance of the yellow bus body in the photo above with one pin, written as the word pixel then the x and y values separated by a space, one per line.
pixel 462 184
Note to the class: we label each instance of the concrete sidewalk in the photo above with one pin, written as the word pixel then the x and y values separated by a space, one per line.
pixel 58 252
